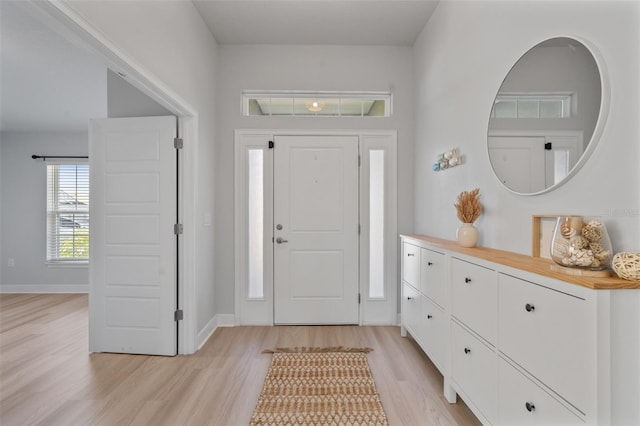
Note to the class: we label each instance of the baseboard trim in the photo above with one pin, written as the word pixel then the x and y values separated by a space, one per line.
pixel 44 288
pixel 226 320
pixel 379 323
pixel 220 320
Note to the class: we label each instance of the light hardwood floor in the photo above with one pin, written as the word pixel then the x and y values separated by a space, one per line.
pixel 47 377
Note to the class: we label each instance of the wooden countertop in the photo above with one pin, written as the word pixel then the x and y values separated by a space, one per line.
pixel 535 265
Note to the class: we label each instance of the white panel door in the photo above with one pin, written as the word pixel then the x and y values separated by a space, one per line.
pixel 316 249
pixel 519 161
pixel 133 261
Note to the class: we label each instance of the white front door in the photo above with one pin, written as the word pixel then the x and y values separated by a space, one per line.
pixel 316 230
pixel 133 248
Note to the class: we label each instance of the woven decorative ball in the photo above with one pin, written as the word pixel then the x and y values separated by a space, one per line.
pixel 566 229
pixel 579 242
pixel 593 231
pixel 627 265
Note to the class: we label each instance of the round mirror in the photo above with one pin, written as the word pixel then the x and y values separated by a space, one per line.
pixel 546 117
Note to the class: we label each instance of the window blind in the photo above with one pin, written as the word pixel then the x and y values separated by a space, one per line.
pixel 67 212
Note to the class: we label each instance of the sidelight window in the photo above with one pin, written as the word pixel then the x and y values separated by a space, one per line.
pixel 376 224
pixel 256 223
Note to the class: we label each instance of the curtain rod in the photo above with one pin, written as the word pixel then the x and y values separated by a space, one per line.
pixel 44 157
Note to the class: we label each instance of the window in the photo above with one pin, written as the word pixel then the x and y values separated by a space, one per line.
pixel 317 104
pixel 376 224
pixel 532 105
pixel 256 223
pixel 67 213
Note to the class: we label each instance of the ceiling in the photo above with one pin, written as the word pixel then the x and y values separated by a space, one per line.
pixel 50 84
pixel 328 22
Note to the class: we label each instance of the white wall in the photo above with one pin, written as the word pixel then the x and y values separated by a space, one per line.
pixel 24 183
pixel 170 41
pixel 125 100
pixel 313 68
pixel 461 58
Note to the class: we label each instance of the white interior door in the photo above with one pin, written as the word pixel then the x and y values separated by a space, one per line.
pixel 519 161
pixel 133 260
pixel 316 230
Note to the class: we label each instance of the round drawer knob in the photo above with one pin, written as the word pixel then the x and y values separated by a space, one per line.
pixel 429 263
pixel 530 407
pixel 409 297
pixel 467 280
pixel 429 316
pixel 467 350
pixel 529 307
pixel 411 254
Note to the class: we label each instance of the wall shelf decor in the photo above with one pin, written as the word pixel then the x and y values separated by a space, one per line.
pixel 447 160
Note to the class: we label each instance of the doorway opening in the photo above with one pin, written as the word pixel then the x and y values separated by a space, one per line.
pixel 62 20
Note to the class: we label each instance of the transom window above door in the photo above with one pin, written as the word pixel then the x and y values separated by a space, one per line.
pixel 316 104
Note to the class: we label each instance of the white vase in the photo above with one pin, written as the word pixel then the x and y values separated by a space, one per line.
pixel 467 235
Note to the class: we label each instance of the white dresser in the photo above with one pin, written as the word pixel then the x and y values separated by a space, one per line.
pixel 520 344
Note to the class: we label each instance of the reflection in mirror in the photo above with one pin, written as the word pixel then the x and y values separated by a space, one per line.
pixel 544 116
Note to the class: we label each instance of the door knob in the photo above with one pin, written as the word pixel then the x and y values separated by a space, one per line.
pixel 279 240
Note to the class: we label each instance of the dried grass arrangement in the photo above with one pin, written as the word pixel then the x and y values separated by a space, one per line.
pixel 468 206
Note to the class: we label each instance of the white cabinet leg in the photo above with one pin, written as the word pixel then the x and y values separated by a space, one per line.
pixel 449 393
pixel 403 331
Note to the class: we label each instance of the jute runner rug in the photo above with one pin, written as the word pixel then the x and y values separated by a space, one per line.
pixel 319 386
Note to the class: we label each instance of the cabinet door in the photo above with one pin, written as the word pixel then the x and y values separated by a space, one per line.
pixel 432 276
pixel 411 305
pixel 475 297
pixel 435 330
pixel 473 368
pixel 522 402
pixel 411 264
pixel 547 333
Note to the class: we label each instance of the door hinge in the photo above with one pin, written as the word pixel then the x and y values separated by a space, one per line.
pixel 359 229
pixel 177 228
pixel 178 315
pixel 271 145
pixel 178 143
pixel 359 161
pixel 358 298
pixel 548 146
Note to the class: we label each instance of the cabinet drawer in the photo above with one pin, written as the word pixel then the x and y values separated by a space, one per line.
pixel 411 304
pixel 522 402
pixel 411 264
pixel 547 333
pixel 473 368
pixel 475 298
pixel 434 332
pixel 432 276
